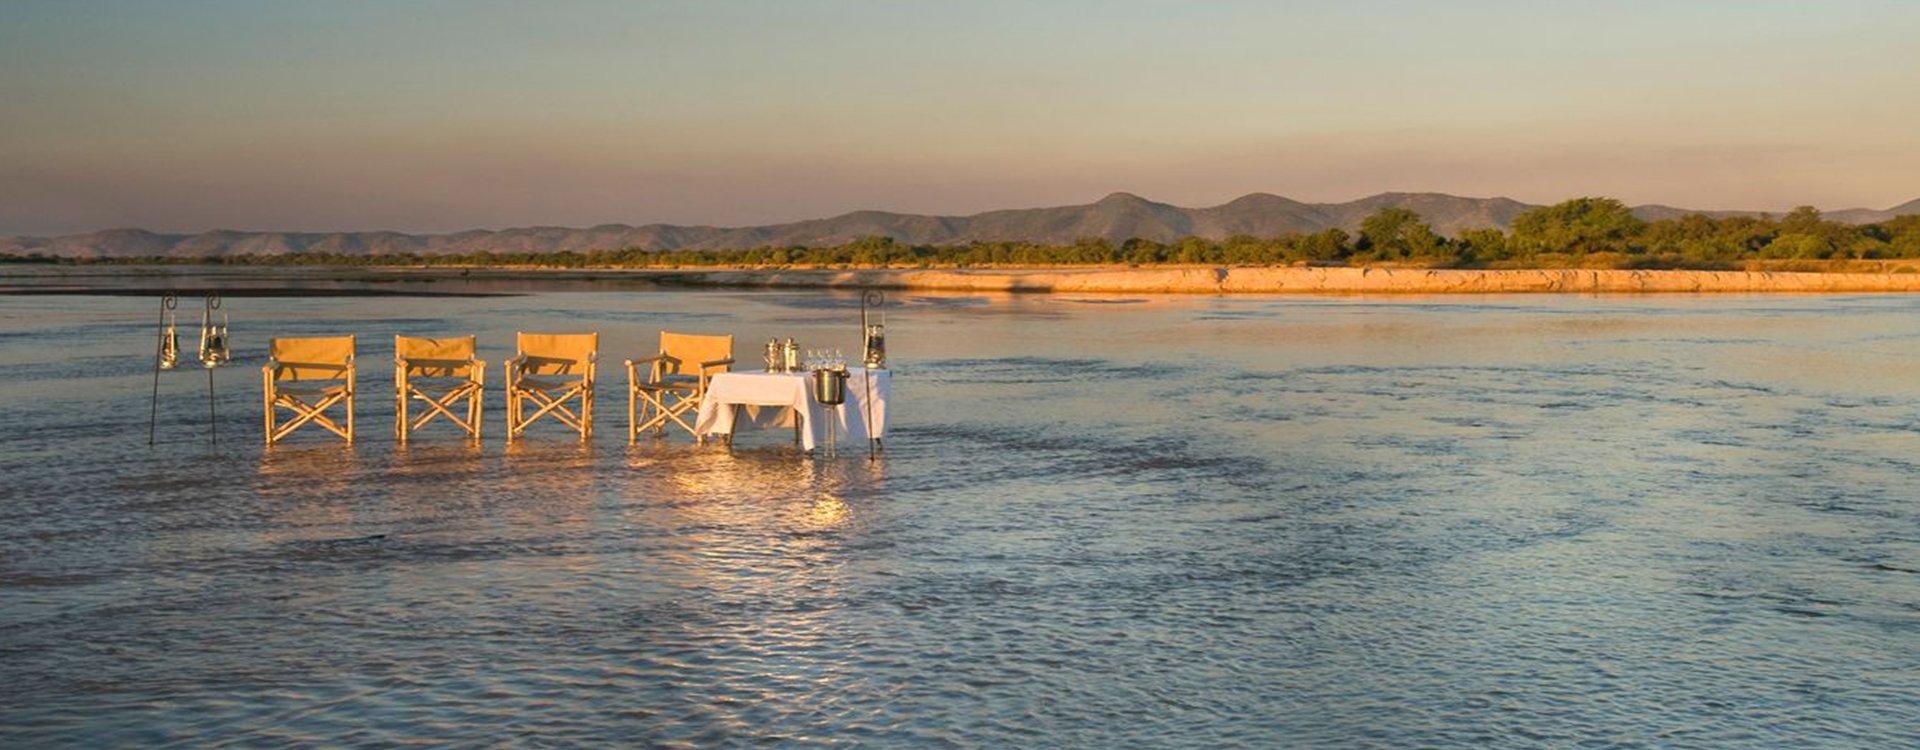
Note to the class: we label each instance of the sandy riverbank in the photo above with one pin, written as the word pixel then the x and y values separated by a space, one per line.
pixel 1203 280
pixel 431 281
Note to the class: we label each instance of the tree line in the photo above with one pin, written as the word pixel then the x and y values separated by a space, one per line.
pixel 1579 233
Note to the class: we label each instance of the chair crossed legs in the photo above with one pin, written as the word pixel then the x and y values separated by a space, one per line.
pixel 307 376
pixel 444 375
pixel 551 371
pixel 675 382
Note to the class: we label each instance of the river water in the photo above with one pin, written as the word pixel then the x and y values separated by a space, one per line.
pixel 1098 522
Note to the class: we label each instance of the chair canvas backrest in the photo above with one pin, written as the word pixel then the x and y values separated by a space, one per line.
pixel 312 359
pixel 558 353
pixel 436 358
pixel 691 349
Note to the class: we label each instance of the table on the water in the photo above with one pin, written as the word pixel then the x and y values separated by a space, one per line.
pixel 785 399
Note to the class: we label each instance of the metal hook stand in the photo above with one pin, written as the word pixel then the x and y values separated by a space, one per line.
pixel 214 352
pixel 165 351
pixel 873 356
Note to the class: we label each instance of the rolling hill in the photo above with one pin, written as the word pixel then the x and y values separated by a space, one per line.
pixel 1115 218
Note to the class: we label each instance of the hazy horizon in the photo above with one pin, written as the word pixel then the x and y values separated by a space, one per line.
pixel 435 117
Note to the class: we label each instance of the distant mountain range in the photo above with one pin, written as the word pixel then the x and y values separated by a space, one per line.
pixel 1116 218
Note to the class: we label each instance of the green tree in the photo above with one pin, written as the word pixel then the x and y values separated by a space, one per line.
pixel 1803 220
pixel 1482 246
pixel 1243 249
pixel 1579 226
pixel 1797 245
pixel 872 250
pixel 1825 239
pixel 1394 233
pixel 1903 236
pixel 1695 240
pixel 1326 244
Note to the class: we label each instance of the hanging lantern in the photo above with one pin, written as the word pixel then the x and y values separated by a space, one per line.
pixel 873 331
pixel 873 335
pixel 169 357
pixel 876 346
pixel 214 351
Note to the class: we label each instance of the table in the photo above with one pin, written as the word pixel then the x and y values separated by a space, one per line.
pixel 785 399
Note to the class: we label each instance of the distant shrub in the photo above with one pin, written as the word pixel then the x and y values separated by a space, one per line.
pixel 1582 233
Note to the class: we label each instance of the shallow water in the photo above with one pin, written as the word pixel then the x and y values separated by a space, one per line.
pixel 1119 522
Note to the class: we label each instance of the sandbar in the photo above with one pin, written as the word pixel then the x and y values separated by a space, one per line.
pixel 1307 280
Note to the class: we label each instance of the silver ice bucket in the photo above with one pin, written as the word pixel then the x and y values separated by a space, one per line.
pixel 830 387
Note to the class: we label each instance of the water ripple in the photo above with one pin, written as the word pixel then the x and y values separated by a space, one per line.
pixel 1192 523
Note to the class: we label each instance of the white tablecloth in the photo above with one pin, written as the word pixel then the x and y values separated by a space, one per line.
pixel 775 399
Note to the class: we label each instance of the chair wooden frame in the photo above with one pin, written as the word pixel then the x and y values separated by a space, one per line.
pixel 551 370
pixel 676 381
pixel 453 375
pixel 308 376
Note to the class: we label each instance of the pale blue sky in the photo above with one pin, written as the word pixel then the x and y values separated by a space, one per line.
pixel 187 116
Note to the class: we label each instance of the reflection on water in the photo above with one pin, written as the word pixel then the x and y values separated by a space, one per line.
pixel 308 470
pixel 1199 522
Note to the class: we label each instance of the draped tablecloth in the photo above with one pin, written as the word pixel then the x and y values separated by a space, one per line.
pixel 777 399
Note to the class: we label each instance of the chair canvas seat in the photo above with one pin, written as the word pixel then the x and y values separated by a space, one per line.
pixel 308 376
pixel 441 385
pixel 674 382
pixel 310 389
pixel 554 374
pixel 444 376
pixel 538 383
pixel 423 368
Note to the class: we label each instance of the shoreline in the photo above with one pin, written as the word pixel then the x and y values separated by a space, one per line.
pixel 1298 280
pixel 1171 280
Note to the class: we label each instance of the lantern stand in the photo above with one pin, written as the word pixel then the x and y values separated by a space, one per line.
pixel 873 356
pixel 166 354
pixel 213 353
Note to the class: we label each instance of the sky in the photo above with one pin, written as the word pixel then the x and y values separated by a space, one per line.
pixel 442 116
